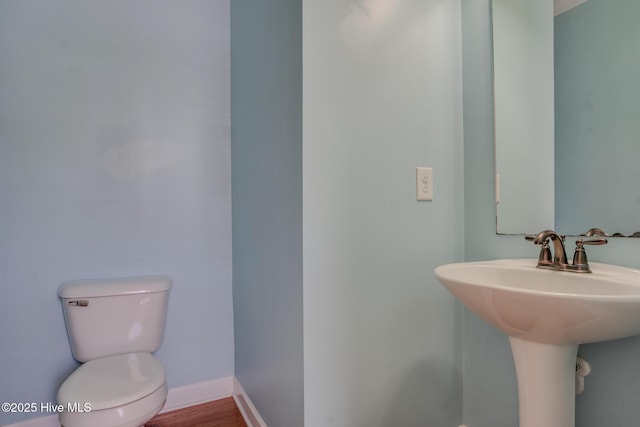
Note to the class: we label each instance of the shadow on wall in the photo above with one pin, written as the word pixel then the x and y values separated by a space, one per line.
pixel 611 391
pixel 382 27
pixel 426 397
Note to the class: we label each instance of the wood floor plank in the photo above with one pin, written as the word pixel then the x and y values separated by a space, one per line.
pixel 219 413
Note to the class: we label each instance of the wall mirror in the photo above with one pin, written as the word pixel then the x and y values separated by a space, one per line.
pixel 567 115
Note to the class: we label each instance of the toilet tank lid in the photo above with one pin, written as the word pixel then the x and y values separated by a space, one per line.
pixel 114 286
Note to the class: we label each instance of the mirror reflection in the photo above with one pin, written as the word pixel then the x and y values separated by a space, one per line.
pixel 567 100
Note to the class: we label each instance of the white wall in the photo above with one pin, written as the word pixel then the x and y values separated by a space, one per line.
pixel 381 95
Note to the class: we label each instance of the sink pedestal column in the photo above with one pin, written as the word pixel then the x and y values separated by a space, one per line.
pixel 546 383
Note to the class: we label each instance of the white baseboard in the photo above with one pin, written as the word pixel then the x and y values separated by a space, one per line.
pixel 194 394
pixel 177 398
pixel 244 404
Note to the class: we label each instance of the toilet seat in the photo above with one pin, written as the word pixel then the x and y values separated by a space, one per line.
pixel 134 414
pixel 112 381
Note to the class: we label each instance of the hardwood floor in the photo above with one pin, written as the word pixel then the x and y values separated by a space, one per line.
pixel 219 413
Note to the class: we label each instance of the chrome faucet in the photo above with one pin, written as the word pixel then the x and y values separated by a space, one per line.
pixel 559 261
pixel 559 253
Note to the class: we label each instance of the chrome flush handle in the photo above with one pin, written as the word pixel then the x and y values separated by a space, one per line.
pixel 79 302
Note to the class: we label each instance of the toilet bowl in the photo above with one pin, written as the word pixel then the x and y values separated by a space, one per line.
pixel 113 326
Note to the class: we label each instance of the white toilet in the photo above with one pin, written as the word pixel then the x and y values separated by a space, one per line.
pixel 113 326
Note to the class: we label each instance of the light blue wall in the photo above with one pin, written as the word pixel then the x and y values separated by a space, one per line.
pixel 489 383
pixel 611 391
pixel 114 161
pixel 266 112
pixel 490 391
pixel 598 105
pixel 382 95
pixel 523 88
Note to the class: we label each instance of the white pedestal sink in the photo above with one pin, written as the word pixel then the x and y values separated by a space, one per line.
pixel 547 314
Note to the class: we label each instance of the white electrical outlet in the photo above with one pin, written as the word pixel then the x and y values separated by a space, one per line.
pixel 424 184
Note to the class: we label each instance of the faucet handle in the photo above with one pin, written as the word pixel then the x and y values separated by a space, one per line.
pixel 532 238
pixel 544 258
pixel 594 232
pixel 580 262
pixel 545 254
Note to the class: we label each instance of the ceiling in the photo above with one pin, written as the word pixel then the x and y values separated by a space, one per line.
pixel 561 6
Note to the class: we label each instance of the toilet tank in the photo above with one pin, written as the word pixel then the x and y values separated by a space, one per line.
pixel 105 317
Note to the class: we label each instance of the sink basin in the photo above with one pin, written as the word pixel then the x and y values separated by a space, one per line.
pixel 547 314
pixel 547 306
